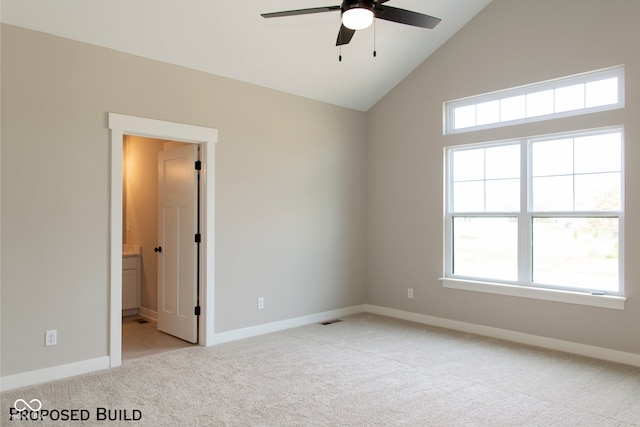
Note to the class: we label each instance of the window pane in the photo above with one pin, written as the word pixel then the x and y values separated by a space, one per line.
pixel 552 194
pixel 468 196
pixel 580 253
pixel 464 117
pixel 485 247
pixel 540 103
pixel 503 195
pixel 602 92
pixel 488 112
pixel 512 108
pixel 598 153
pixel 552 157
pixel 569 98
pixel 468 165
pixel 503 161
pixel 598 192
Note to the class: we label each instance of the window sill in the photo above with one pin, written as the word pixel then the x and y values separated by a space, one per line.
pixel 582 298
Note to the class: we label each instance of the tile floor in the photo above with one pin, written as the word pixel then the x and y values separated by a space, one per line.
pixel 143 339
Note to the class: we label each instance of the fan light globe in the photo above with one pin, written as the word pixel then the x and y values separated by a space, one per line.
pixel 357 18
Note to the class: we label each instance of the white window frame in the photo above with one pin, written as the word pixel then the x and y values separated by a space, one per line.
pixel 524 287
pixel 584 78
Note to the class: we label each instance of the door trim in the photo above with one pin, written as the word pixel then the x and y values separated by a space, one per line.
pixel 121 125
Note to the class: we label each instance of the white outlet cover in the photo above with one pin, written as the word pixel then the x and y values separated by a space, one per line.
pixel 50 338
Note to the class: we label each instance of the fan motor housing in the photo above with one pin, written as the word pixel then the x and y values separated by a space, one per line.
pixel 355 4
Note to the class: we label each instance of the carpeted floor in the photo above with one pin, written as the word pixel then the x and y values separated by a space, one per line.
pixel 364 371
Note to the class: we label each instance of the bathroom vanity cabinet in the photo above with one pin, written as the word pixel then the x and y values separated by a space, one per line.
pixel 131 279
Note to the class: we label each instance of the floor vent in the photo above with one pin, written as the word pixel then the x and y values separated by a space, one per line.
pixel 330 322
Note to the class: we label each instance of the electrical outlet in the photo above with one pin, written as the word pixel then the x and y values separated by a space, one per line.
pixel 260 303
pixel 410 293
pixel 50 338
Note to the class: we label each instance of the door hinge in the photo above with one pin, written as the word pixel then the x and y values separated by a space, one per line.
pixel 198 165
pixel 196 310
pixel 198 238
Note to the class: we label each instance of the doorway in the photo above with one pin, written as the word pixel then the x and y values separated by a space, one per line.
pixel 153 264
pixel 120 126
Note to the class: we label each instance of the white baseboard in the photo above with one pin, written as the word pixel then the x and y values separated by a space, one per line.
pixel 39 376
pixel 504 334
pixel 130 312
pixel 25 379
pixel 252 331
pixel 148 314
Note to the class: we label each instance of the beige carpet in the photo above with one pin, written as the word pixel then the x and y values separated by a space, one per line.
pixel 366 370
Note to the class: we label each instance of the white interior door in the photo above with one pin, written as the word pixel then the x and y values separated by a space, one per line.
pixel 177 252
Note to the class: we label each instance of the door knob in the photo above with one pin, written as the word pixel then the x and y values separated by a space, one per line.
pixel 158 249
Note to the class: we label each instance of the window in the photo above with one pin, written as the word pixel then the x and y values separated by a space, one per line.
pixel 585 93
pixel 543 212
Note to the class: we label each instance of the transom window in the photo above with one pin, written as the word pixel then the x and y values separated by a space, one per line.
pixel 542 212
pixel 585 93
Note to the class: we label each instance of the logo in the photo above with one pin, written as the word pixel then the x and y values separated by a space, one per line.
pixel 22 405
pixel 33 411
pixel 24 410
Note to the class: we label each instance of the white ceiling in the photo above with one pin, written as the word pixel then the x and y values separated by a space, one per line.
pixel 229 38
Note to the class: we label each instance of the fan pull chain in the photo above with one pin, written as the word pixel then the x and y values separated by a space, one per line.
pixel 374 39
pixel 340 37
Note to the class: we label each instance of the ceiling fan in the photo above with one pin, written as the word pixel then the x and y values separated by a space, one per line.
pixel 358 15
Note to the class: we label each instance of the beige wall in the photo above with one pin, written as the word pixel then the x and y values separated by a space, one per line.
pixel 289 193
pixel 510 43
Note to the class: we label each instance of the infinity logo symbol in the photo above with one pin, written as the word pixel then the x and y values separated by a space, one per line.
pixel 26 405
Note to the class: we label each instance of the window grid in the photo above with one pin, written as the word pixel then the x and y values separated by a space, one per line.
pixel 527 216
pixel 610 98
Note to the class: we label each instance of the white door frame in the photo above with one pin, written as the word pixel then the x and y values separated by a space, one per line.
pixel 121 125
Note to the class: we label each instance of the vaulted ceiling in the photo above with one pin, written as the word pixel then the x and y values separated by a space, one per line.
pixel 295 54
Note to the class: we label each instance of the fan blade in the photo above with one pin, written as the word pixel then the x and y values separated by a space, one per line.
pixel 407 17
pixel 300 12
pixel 344 35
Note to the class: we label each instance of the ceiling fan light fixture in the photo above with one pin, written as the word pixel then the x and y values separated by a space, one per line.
pixel 358 16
